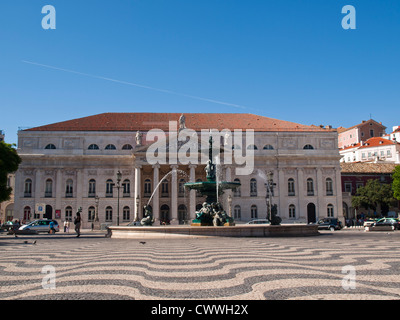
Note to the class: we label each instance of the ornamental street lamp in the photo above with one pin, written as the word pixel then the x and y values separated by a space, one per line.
pixel 119 177
pixel 268 197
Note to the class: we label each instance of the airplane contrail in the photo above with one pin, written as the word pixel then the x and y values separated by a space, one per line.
pixel 135 84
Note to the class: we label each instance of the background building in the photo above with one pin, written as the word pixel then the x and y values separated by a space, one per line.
pixel 74 164
pixel 355 175
pixel 360 132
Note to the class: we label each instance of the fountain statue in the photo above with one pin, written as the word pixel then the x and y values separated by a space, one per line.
pixel 212 212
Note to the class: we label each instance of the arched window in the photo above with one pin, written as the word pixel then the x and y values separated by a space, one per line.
pixel 91 213
pixel 308 147
pixel 254 213
pixel 329 187
pixel 69 186
pixel 109 188
pixel 164 214
pixel 182 213
pixel 292 211
pixel 48 192
pixel 127 147
pixel 93 147
pixel 68 213
pixel 109 212
pixel 147 188
pixel 291 189
pixel 252 147
pixel 310 187
pixel 110 147
pixel 126 214
pixel 164 188
pixel 126 188
pixel 50 146
pixel 92 188
pixel 181 188
pixel 27 213
pixel 28 188
pixel 268 147
pixel 253 187
pixel 237 214
pixel 330 211
pixel 236 191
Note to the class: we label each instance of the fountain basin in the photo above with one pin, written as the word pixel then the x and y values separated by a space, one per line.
pixel 188 232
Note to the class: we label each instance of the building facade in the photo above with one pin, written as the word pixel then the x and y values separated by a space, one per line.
pixel 75 164
pixel 356 175
pixel 360 132
pixel 377 149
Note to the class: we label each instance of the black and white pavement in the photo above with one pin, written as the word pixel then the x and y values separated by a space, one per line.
pixel 95 267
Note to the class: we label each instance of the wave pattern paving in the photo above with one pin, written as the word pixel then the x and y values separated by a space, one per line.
pixel 212 268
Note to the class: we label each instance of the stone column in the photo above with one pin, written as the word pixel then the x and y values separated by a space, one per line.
pixel 59 190
pixel 39 193
pixel 282 186
pixel 339 201
pixel 156 197
pixel 137 197
pixel 228 177
pixel 300 184
pixel 320 193
pixel 174 195
pixel 192 199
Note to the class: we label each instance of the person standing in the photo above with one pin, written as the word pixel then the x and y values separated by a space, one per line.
pixel 77 223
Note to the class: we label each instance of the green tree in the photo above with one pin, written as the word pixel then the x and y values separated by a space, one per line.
pixel 396 182
pixel 373 194
pixel 9 162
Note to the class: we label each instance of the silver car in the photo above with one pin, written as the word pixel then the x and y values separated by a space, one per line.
pixel 42 225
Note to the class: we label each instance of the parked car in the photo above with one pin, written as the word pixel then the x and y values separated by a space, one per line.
pixel 388 222
pixel 329 224
pixel 369 222
pixel 258 221
pixel 41 225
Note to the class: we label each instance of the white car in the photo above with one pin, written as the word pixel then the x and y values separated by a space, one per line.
pixel 42 225
pixel 258 221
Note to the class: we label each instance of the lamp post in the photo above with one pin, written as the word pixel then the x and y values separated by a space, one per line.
pixel 137 207
pixel 268 197
pixel 119 176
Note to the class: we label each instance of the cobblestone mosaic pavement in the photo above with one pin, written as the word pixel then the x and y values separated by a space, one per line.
pixel 95 267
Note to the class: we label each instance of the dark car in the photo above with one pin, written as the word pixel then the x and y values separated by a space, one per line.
pixel 329 224
pixel 388 222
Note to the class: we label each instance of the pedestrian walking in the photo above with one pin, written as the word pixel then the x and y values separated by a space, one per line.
pixel 65 226
pixel 77 223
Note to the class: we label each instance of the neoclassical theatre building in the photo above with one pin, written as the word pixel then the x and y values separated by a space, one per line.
pixel 112 164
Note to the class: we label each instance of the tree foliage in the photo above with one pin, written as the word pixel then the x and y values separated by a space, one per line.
pixel 9 162
pixel 373 194
pixel 396 182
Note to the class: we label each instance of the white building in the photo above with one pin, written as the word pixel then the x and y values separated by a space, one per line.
pixel 74 164
pixel 374 149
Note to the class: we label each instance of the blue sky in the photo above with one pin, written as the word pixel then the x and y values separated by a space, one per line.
pixel 287 59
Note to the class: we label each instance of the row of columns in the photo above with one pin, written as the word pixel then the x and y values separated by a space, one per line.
pixel 156 196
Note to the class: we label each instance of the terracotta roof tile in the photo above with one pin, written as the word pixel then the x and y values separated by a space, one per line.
pixel 195 121
pixel 367 167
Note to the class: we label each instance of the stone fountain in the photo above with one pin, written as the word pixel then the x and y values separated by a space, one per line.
pixel 212 212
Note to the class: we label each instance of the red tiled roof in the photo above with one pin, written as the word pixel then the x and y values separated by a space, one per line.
pixel 376 142
pixel 195 121
pixel 366 167
pixel 341 129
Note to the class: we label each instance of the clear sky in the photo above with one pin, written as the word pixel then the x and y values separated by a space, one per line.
pixel 286 59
